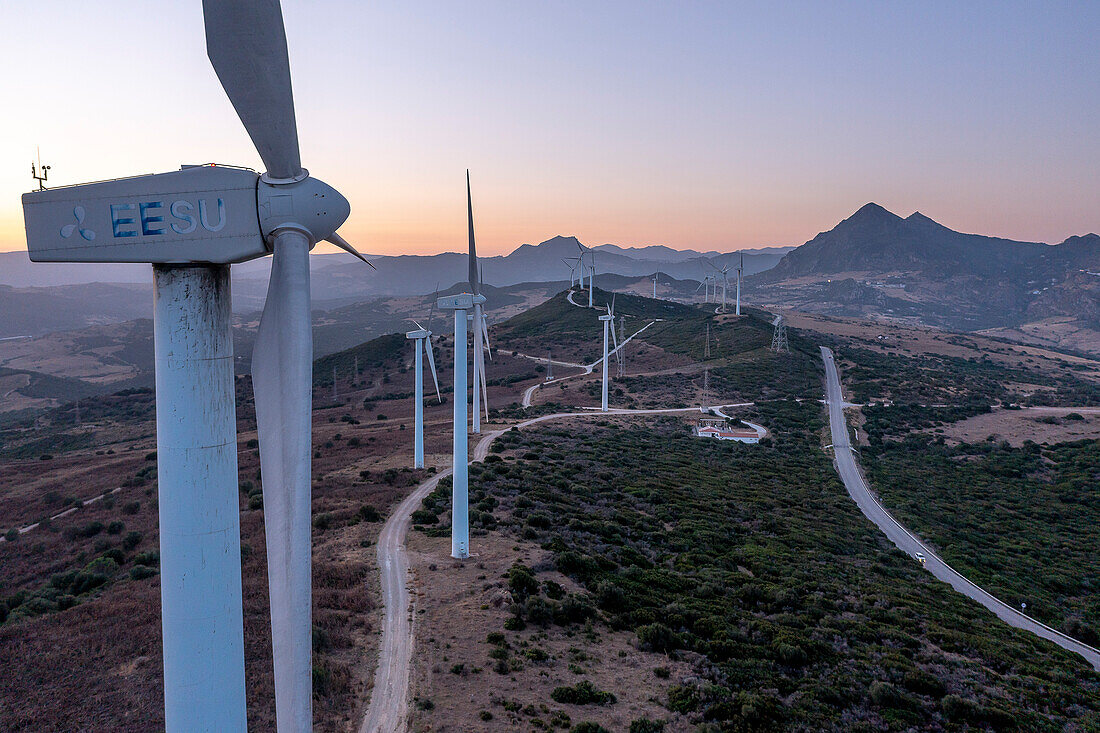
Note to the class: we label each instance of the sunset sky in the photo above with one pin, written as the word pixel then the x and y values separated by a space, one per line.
pixel 711 125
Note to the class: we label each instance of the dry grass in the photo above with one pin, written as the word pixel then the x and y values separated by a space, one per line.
pixel 459 603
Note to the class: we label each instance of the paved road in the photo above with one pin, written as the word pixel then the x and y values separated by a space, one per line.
pixel 857 487
pixel 388 710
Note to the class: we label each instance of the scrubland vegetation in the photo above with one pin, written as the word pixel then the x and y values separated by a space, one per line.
pixel 751 563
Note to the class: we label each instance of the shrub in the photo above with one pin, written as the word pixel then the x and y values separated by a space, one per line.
pixel 115 528
pixel 582 693
pixel 322 522
pixel 645 725
pixel 140 572
pixel 588 727
pixel 131 507
pixel 423 516
pixel 151 558
pixel 522 581
pixel 658 638
pixel 369 514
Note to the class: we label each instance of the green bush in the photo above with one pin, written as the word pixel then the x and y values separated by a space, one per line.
pixel 140 572
pixel 582 693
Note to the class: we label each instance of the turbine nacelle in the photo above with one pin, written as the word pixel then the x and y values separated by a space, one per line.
pixel 461 301
pixel 207 214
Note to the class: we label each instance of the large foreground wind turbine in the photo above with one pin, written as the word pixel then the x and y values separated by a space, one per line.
pixel 191 225
pixel 422 343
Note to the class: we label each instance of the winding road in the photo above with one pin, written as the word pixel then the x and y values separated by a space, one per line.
pixel 388 709
pixel 846 466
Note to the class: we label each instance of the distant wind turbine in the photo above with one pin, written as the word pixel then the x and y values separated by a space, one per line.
pixel 608 320
pixel 422 343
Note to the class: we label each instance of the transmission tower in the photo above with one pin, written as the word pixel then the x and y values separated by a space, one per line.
pixel 706 386
pixel 549 367
pixel 779 336
pixel 706 349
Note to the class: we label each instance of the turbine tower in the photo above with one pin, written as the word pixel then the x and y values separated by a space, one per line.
pixel 608 325
pixel 481 338
pixel 422 343
pixel 740 267
pixel 655 284
pixel 460 477
pixel 191 225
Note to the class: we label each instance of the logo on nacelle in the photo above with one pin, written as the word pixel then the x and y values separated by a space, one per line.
pixel 85 232
pixel 153 218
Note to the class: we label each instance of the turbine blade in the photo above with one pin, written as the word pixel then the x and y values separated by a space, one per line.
pixel 471 261
pixel 484 385
pixel 246 44
pixel 431 311
pixel 431 363
pixel 340 242
pixel 485 335
pixel 282 376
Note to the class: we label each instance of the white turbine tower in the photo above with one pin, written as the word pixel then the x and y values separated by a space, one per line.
pixel 608 324
pixel 191 225
pixel 422 343
pixel 655 284
pixel 740 268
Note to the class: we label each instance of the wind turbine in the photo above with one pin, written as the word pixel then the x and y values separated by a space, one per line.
pixel 461 304
pixel 740 267
pixel 655 284
pixel 191 225
pixel 422 343
pixel 572 269
pixel 591 270
pixel 607 319
pixel 725 282
pixel 705 287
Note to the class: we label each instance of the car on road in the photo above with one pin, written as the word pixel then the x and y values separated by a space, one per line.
pixel 920 558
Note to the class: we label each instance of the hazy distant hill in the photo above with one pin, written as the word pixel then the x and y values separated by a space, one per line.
pixel 341 276
pixel 875 263
pixel 82 295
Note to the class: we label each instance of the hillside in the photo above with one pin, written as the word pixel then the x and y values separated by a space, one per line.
pixel 879 265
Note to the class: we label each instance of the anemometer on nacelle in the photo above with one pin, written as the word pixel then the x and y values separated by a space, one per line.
pixel 208 214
